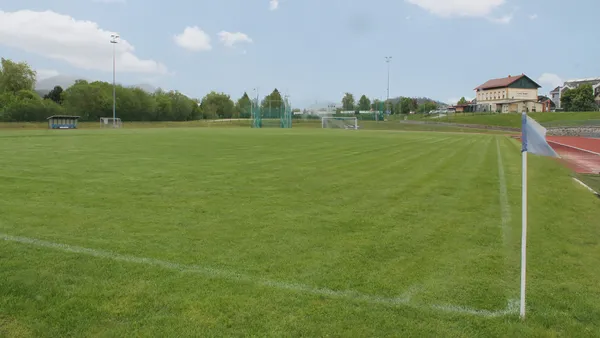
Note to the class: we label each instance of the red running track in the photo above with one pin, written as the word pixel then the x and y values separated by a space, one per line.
pixel 586 143
pixel 581 154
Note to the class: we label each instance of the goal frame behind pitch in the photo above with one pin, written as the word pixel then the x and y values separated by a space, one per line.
pixel 351 126
pixel 107 122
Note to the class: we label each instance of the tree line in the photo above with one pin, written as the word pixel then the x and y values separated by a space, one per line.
pixel 402 105
pixel 19 102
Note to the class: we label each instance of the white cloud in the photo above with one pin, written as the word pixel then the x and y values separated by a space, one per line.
pixel 230 39
pixel 273 5
pixel 533 16
pixel 45 73
pixel 451 8
pixel 194 39
pixel 550 81
pixel 80 43
pixel 503 20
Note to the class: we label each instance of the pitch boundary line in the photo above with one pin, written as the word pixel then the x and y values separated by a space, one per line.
pixel 586 186
pixel 403 300
pixel 504 205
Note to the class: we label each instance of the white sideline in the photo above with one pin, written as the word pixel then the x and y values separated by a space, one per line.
pixel 505 207
pixel 586 186
pixel 403 300
pixel 506 217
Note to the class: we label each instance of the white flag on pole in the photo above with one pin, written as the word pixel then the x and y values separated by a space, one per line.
pixel 533 138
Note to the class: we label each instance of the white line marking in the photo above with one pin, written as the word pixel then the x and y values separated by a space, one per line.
pixel 586 186
pixel 403 300
pixel 505 207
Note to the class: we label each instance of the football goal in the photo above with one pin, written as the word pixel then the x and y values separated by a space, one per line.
pixel 109 122
pixel 339 122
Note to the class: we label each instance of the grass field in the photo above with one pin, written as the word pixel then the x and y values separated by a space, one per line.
pixel 302 124
pixel 301 232
pixel 513 120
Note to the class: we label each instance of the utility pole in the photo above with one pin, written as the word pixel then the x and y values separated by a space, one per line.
pixel 114 40
pixel 388 59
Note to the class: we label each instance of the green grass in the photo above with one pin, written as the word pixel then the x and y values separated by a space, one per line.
pixel 300 232
pixel 592 181
pixel 302 124
pixel 513 120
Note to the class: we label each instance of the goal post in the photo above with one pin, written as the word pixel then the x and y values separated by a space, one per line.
pixel 109 122
pixel 339 122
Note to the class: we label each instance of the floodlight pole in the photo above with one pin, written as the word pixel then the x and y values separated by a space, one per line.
pixel 388 59
pixel 114 40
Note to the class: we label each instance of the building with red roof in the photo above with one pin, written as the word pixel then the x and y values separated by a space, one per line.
pixel 509 94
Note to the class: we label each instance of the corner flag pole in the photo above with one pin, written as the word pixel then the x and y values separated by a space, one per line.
pixel 524 214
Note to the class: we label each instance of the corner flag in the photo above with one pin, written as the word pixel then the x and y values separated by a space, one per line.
pixel 533 139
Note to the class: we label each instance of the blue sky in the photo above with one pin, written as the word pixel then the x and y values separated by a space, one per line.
pixel 311 50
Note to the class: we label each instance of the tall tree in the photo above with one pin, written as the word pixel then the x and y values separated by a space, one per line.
pixel 462 101
pixel 243 106
pixel 364 103
pixel 15 76
pixel 55 94
pixel 348 102
pixel 273 101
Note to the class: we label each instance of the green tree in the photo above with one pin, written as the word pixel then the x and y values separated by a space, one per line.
pixel 244 106
pixel 426 107
pixel 377 105
pixel 579 99
pixel 16 76
pixel 145 105
pixel 91 101
pixel 462 101
pixel 406 105
pixel 364 103
pixel 217 105
pixel 348 102
pixel 164 106
pixel 55 94
pixel 27 106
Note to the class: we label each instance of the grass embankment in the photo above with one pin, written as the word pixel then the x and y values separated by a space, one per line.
pixel 223 232
pixel 513 120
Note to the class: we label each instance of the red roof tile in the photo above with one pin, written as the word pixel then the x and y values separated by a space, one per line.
pixel 499 83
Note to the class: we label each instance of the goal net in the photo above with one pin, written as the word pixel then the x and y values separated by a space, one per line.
pixel 339 122
pixel 109 122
